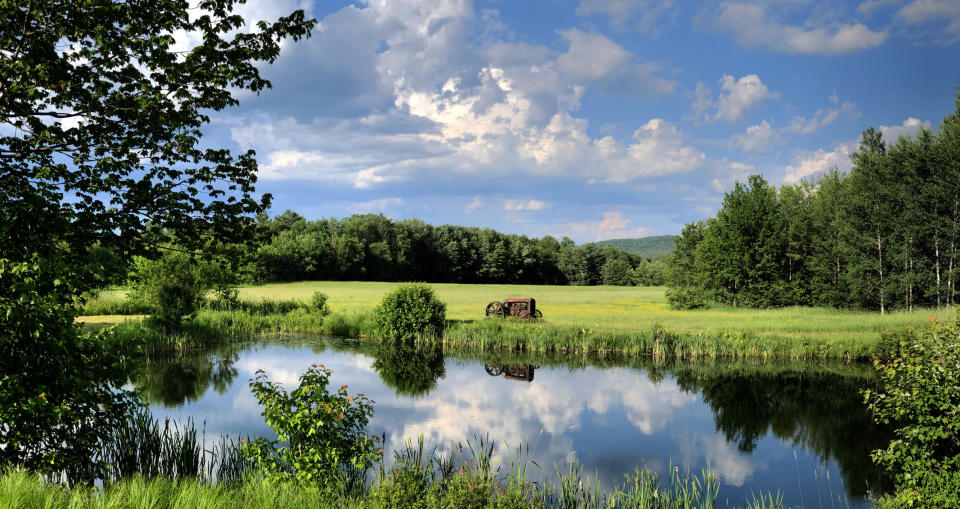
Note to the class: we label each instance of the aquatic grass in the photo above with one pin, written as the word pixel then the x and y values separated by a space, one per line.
pixel 147 447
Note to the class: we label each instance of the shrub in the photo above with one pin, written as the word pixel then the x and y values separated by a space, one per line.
pixel 919 395
pixel 318 302
pixel 175 285
pixel 410 311
pixel 321 436
pixel 687 297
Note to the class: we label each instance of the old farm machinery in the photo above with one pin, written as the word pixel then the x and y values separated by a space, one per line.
pixel 520 308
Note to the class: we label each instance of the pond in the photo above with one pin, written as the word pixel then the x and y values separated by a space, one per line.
pixel 797 429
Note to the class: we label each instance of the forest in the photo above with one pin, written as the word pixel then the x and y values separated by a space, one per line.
pixel 372 247
pixel 883 236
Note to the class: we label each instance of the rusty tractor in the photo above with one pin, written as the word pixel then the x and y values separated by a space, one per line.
pixel 520 308
pixel 521 373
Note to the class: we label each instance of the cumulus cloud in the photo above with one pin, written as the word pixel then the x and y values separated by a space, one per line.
pixel 757 138
pixel 764 137
pixel 753 28
pixel 455 106
pixel 812 162
pixel 595 58
pixel 613 225
pixel 515 205
pixel 945 14
pixel 735 98
pixel 910 127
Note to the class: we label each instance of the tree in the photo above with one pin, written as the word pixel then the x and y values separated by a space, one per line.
pixel 102 147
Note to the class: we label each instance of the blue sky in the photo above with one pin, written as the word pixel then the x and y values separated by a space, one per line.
pixel 592 119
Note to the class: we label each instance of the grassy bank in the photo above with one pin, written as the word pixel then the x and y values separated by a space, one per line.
pixel 613 308
pixel 576 319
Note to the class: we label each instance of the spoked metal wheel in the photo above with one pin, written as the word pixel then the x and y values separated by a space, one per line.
pixel 496 309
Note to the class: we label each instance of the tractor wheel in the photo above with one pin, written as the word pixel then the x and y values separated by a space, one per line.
pixel 537 315
pixel 495 309
pixel 493 370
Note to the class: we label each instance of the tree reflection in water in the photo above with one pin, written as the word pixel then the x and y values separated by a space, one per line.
pixel 408 370
pixel 173 380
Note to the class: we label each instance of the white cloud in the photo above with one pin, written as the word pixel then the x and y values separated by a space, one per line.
pixel 458 109
pixel 735 98
pixel 764 137
pixel 757 138
pixel 920 12
pixel 474 205
pixel 640 15
pixel 752 28
pixel 813 162
pixel 378 205
pixel 910 127
pixel 515 205
pixel 595 58
pixel 731 172
pixel 613 225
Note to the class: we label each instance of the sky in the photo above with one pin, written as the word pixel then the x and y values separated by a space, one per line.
pixel 592 119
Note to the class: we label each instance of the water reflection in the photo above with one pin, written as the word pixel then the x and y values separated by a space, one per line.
pixel 760 426
pixel 174 380
pixel 409 371
pixel 521 372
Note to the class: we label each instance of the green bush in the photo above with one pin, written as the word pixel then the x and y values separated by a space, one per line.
pixel 321 436
pixel 175 285
pixel 409 312
pixel 318 302
pixel 687 297
pixel 919 394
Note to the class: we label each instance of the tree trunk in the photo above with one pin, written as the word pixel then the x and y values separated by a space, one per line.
pixel 880 266
pixel 936 265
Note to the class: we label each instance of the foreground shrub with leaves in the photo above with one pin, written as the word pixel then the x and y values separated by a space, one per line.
pixel 321 435
pixel 920 396
pixel 411 311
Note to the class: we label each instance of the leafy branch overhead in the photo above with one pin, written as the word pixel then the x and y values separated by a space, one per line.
pixel 104 116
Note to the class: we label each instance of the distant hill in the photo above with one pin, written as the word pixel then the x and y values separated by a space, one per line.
pixel 647 247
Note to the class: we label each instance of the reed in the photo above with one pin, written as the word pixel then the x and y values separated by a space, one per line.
pixel 147 447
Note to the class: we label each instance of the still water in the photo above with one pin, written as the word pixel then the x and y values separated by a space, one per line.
pixel 797 429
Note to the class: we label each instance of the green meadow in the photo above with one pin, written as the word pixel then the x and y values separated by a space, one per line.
pixel 596 308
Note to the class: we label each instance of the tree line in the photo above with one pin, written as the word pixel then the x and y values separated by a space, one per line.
pixel 372 247
pixel 883 236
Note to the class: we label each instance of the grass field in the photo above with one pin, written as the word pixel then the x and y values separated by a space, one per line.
pixel 612 308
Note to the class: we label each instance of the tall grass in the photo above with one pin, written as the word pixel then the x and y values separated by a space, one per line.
pixel 147 447
pixel 611 318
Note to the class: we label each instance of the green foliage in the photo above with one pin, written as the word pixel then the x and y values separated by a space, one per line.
pixel 60 388
pixel 881 237
pixel 410 311
pixel 652 248
pixel 409 371
pixel 321 435
pixel 687 297
pixel 920 396
pixel 176 284
pixel 617 272
pixel 371 247
pixel 318 303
